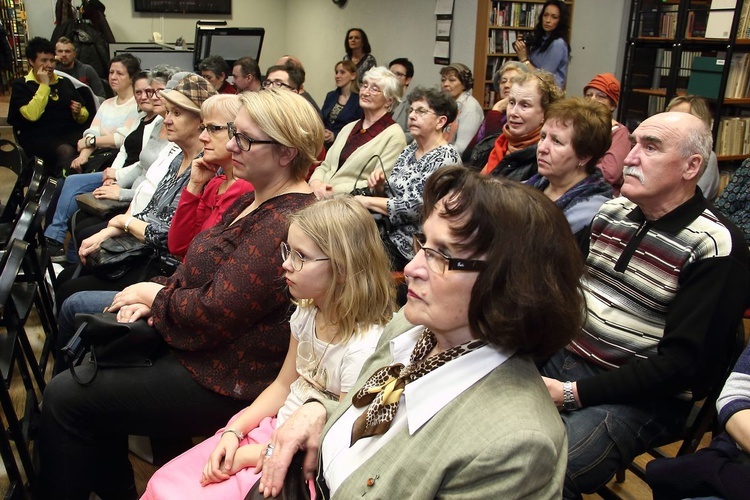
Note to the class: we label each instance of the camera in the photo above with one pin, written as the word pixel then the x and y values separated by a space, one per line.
pixel 361 192
pixel 529 39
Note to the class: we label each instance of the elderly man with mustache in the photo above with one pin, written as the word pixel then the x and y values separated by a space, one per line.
pixel 666 287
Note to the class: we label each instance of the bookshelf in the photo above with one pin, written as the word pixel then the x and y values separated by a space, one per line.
pixel 13 17
pixel 702 47
pixel 498 26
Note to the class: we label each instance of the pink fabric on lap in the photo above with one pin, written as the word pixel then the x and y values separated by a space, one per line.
pixel 180 478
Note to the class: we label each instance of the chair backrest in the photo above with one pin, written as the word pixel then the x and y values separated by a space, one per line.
pixel 10 265
pixel 17 199
pixel 35 183
pixel 24 228
pixel 11 156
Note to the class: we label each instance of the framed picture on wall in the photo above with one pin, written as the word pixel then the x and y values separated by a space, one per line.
pixel 184 6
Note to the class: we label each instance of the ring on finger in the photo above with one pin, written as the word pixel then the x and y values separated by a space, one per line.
pixel 269 450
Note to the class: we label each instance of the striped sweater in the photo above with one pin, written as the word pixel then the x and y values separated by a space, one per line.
pixel 663 299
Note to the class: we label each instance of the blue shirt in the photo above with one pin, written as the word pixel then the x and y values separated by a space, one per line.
pixel 554 60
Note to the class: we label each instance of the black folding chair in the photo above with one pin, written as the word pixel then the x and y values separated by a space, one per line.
pixel 13 302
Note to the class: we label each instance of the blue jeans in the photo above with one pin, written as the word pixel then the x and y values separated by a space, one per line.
pixel 67 204
pixel 81 302
pixel 604 438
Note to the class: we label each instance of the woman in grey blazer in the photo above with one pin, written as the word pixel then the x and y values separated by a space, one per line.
pixel 451 404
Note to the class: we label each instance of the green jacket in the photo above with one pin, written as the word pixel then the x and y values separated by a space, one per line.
pixel 502 438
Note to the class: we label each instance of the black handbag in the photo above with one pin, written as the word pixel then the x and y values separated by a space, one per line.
pixel 118 255
pixel 111 344
pixel 100 159
pixel 105 209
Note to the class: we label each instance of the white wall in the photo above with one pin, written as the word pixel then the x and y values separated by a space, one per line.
pixel 395 28
pixel 314 30
pixel 598 41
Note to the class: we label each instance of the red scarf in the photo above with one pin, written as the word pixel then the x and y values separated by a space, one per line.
pixel 508 143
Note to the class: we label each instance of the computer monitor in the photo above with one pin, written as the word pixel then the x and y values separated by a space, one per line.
pixel 229 43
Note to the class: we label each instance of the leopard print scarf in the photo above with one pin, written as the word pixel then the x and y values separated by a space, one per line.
pixel 383 389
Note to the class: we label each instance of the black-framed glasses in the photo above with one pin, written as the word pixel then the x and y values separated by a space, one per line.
pixel 243 141
pixel 278 84
pixel 152 92
pixel 438 262
pixel 296 258
pixel 419 111
pixel 212 129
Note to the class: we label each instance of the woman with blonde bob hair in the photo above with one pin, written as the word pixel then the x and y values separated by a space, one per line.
pixel 222 316
pixel 373 142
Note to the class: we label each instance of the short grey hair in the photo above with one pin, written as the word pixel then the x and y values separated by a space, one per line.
pixel 388 83
pixel 697 140
pixel 162 73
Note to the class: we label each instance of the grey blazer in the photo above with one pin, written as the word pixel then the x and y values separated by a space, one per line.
pixel 502 438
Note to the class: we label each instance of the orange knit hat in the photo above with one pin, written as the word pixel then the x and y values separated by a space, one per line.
pixel 607 83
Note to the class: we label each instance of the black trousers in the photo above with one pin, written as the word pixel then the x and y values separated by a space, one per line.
pixel 84 430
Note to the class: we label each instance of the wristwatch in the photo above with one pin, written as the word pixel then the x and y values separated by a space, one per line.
pixel 569 400
pixel 90 140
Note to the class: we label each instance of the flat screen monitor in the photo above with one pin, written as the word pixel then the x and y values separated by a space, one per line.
pixel 229 43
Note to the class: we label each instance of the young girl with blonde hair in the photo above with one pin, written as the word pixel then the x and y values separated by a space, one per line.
pixel 338 273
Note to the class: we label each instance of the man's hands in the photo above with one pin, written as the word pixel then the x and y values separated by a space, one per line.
pixel 301 431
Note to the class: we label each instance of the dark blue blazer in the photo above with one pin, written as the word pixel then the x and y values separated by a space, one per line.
pixel 351 112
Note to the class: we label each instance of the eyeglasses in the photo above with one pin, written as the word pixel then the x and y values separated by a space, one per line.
pixel 296 258
pixel 152 92
pixel 419 111
pixel 372 89
pixel 243 141
pixel 399 74
pixel 438 261
pixel 278 84
pixel 212 129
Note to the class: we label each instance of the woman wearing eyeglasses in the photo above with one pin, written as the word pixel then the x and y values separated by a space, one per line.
pixel 140 147
pixel 361 147
pixel 149 217
pixel 222 315
pixel 451 404
pixel 212 187
pixel 399 199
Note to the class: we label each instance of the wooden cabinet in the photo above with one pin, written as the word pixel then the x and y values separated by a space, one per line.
pixel 498 26
pixel 13 17
pixel 675 47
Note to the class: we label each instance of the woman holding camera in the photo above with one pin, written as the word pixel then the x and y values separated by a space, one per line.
pixel 547 47
pixel 400 198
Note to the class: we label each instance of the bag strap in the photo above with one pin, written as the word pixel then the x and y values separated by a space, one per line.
pixel 74 351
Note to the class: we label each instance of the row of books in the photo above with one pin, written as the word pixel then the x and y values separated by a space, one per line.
pixel 515 14
pixel 490 96
pixel 664 62
pixel 501 41
pixel 743 29
pixel 733 137
pixel 715 22
pixel 738 80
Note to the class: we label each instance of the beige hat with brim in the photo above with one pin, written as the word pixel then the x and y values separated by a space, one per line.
pixel 190 93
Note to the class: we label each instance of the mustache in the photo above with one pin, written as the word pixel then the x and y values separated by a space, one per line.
pixel 634 172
